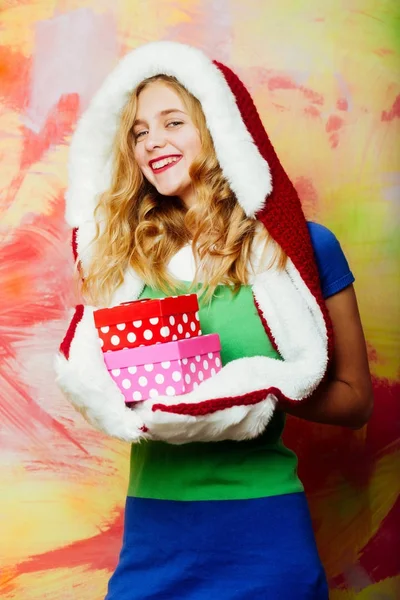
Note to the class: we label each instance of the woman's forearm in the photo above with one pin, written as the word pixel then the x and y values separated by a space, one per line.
pixel 334 403
pixel 346 397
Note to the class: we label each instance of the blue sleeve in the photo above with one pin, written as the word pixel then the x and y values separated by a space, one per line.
pixel 333 268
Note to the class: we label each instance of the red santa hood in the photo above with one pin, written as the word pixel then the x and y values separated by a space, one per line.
pixel 263 189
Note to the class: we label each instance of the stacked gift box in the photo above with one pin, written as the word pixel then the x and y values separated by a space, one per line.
pixel 156 348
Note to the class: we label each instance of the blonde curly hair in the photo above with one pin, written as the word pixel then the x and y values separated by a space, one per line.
pixel 138 227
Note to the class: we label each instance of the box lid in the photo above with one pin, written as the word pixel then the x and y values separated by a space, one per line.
pixel 144 355
pixel 145 309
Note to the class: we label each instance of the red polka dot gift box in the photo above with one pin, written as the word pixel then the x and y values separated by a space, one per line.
pixel 168 369
pixel 148 322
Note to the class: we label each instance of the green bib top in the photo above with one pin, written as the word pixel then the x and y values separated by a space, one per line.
pixel 220 470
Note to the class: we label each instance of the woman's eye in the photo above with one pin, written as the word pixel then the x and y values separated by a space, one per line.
pixel 139 134
pixel 174 123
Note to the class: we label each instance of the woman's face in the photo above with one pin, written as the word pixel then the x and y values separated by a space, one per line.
pixel 166 141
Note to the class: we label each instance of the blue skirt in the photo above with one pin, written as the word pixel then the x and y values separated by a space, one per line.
pixel 257 549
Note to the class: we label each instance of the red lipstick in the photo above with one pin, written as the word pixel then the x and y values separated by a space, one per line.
pixel 171 164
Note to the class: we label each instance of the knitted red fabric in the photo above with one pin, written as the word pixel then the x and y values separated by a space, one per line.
pixel 69 336
pixel 75 243
pixel 266 326
pixel 283 217
pixel 211 406
pixel 282 213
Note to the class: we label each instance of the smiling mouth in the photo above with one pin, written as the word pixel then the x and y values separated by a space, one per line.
pixel 162 164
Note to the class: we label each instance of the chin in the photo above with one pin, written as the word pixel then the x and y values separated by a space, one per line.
pixel 169 191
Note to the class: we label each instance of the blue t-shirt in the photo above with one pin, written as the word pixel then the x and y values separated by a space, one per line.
pixel 333 268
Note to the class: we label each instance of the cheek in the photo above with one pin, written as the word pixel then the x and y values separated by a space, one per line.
pixel 138 154
pixel 194 144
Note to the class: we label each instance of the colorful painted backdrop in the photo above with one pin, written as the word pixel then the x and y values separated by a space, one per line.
pixel 325 77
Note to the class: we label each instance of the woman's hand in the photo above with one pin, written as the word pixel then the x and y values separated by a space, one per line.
pixel 345 397
pixel 83 378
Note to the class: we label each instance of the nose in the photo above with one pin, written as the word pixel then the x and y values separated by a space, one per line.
pixel 154 139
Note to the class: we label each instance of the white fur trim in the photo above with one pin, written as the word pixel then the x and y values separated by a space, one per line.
pixel 85 381
pixel 89 164
pixel 298 328
pixel 237 423
pixel 182 266
pixel 131 287
pixel 295 320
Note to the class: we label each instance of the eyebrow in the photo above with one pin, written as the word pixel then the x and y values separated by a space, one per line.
pixel 163 113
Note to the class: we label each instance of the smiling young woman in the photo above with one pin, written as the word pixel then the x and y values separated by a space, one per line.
pixel 194 202
pixel 166 147
pixel 189 196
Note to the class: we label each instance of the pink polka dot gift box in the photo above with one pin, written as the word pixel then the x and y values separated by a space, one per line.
pixel 166 369
pixel 148 322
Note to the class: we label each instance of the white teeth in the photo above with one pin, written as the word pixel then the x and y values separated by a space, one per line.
pixel 165 161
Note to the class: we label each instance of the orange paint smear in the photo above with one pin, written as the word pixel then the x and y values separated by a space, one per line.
pixel 14 76
pixel 342 104
pixel 98 552
pixel 21 412
pixel 59 124
pixel 312 111
pixel 283 82
pixel 377 558
pixel 323 450
pixel 383 51
pixel 393 113
pixel 334 124
pixel 280 82
pixel 308 196
pixel 313 96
